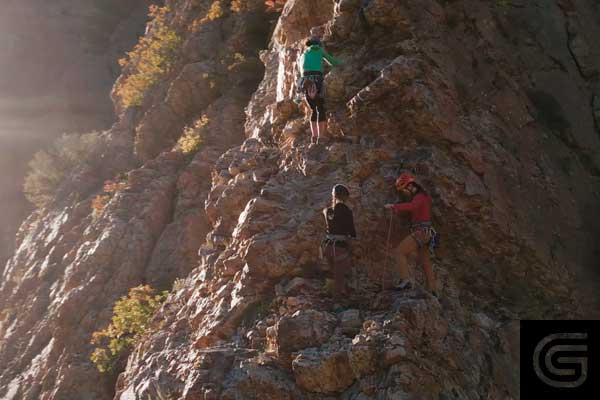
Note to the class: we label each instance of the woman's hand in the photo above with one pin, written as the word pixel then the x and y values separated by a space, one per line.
pixel 389 206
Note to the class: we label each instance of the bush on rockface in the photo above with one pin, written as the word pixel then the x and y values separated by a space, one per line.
pixel 150 60
pixel 275 5
pixel 247 5
pixel 131 316
pixel 236 59
pixel 216 11
pixel 191 141
pixel 49 167
pixel 109 189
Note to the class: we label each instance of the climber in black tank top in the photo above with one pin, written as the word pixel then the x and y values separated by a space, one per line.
pixel 336 246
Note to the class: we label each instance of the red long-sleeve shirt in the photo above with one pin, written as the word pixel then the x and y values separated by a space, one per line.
pixel 419 208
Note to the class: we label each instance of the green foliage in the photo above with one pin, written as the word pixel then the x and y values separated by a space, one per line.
pixel 236 59
pixel 131 315
pixel 275 6
pixel 247 5
pixel 110 188
pixel 150 60
pixel 191 140
pixel 49 167
pixel 98 204
pixel 216 11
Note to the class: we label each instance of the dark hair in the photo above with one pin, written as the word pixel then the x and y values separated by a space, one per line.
pixel 313 40
pixel 418 186
pixel 340 192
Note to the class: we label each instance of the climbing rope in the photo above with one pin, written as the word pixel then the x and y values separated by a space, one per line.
pixel 387 250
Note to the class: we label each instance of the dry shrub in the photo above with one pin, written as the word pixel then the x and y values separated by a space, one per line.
pixel 150 60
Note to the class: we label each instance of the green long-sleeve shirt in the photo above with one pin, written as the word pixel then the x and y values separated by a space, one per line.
pixel 312 59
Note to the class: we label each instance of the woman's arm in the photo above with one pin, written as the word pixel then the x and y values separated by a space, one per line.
pixel 408 206
pixel 404 206
pixel 331 60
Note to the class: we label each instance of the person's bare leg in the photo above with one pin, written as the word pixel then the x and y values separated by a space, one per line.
pixel 427 268
pixel 314 126
pixel 323 130
pixel 407 246
pixel 314 129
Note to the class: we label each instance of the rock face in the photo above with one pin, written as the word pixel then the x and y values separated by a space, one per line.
pixel 59 61
pixel 71 263
pixel 490 104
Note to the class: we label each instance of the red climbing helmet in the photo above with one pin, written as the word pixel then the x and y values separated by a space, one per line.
pixel 403 180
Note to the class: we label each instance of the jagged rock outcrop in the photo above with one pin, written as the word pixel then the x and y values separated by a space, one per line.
pixel 73 262
pixel 490 104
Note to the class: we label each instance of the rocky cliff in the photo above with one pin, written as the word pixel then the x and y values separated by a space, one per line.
pixel 494 105
pixel 59 61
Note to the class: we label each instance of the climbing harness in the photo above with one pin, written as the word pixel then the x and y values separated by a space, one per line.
pixel 312 84
pixel 332 240
pixel 434 242
pixel 425 234
pixel 312 90
pixel 387 251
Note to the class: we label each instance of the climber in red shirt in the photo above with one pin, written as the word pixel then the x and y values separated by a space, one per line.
pixel 422 234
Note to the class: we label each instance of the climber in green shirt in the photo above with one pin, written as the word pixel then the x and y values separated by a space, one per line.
pixel 312 85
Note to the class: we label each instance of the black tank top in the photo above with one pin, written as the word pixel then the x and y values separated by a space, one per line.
pixel 340 220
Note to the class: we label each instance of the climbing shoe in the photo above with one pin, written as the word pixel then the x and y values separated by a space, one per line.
pixel 403 285
pixel 314 140
pixel 324 141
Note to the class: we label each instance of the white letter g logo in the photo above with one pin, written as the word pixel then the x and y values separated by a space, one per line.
pixel 571 370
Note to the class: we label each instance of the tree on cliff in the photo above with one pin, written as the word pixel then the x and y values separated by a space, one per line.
pixel 49 167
